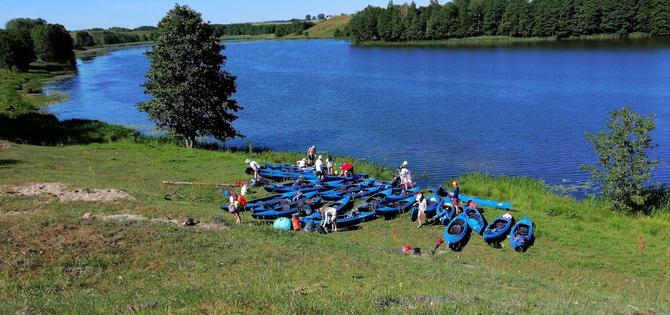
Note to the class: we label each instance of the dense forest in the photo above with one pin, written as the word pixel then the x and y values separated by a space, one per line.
pixel 278 29
pixel 112 36
pixel 25 40
pixel 517 18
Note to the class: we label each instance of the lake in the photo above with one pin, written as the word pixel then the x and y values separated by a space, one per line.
pixel 503 111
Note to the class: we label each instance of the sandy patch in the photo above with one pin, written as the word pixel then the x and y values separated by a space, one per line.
pixel 65 194
pixel 137 218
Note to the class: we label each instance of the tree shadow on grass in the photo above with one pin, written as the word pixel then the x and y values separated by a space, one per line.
pixel 7 162
pixel 46 129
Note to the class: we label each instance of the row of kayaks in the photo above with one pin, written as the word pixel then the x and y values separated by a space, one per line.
pixel 307 193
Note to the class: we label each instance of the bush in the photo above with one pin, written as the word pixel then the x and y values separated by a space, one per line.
pixel 624 167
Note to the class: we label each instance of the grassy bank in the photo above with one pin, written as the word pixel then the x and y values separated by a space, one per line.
pixel 22 92
pixel 90 52
pixel 585 260
pixel 493 41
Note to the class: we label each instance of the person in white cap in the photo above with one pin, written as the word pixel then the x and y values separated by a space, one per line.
pixel 318 167
pixel 255 167
pixel 405 175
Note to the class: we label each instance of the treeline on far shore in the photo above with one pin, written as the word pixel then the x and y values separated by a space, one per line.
pixel 96 37
pixel 516 18
pixel 294 27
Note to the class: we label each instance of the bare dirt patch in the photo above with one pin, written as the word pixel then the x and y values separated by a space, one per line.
pixel 124 217
pixel 4 146
pixel 66 194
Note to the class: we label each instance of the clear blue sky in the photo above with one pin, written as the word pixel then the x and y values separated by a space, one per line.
pixel 80 14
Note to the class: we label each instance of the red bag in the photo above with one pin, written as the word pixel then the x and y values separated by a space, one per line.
pixel 296 223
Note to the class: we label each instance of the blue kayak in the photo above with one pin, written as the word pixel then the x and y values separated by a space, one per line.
pixel 373 201
pixel 430 209
pixel 307 204
pixel 475 219
pixel 266 200
pixel 457 232
pixel 302 185
pixel 522 235
pixel 337 193
pixel 345 220
pixel 400 193
pixel 497 230
pixel 392 208
pixel 485 202
pixel 445 211
pixel 296 198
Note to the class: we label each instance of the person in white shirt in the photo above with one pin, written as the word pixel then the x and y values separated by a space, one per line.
pixel 329 165
pixel 318 167
pixel 422 203
pixel 405 175
pixel 255 167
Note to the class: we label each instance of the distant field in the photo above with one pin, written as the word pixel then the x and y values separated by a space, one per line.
pixel 327 28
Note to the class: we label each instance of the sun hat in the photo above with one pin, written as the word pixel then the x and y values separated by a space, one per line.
pixel 404 163
pixel 247 161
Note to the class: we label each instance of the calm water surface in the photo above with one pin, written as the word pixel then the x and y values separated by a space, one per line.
pixel 502 111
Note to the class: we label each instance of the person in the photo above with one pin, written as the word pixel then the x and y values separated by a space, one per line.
pixel 329 165
pixel 311 155
pixel 422 204
pixel 454 196
pixel 244 190
pixel 329 216
pixel 255 167
pixel 318 167
pixel 405 175
pixel 347 169
pixel 235 207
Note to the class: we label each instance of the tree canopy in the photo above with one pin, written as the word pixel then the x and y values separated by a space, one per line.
pixel 624 166
pixel 16 49
pixel 190 93
pixel 53 43
pixel 519 18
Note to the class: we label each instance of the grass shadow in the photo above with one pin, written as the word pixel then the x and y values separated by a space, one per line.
pixel 45 129
pixel 7 162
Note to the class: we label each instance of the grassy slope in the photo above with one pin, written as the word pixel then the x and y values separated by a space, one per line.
pixel 326 29
pixel 585 260
pixel 29 88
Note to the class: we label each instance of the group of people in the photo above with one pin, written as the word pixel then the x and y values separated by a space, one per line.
pixel 316 161
pixel 422 203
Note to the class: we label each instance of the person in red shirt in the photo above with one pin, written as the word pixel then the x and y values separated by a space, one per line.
pixel 347 169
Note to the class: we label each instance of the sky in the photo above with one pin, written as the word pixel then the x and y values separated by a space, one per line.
pixel 84 14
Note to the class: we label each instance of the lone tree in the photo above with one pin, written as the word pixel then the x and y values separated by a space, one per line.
pixel 624 166
pixel 190 92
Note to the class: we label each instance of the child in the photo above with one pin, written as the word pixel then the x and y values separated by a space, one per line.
pixel 234 207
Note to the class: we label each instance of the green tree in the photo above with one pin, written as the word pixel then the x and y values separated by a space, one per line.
pixel 624 167
pixel 308 17
pixel 16 50
pixel 53 43
pixel 660 17
pixel 25 24
pixel 83 39
pixel 190 93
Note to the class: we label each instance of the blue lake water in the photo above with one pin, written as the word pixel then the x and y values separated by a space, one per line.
pixel 503 111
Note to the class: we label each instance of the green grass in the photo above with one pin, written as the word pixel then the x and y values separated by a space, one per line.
pixel 22 92
pixel 585 260
pixel 326 29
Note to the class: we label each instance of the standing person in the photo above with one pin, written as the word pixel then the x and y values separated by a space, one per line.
pixel 311 155
pixel 329 164
pixel 454 196
pixel 244 190
pixel 234 207
pixel 422 204
pixel 255 167
pixel 405 175
pixel 318 167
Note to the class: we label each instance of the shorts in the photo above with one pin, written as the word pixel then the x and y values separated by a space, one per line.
pixel 233 209
pixel 319 173
pixel 454 201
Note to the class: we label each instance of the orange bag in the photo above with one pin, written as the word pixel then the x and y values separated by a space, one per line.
pixel 242 200
pixel 296 223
